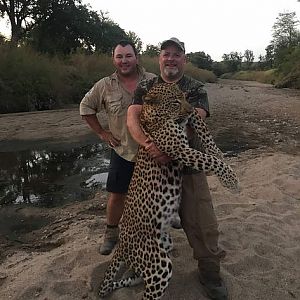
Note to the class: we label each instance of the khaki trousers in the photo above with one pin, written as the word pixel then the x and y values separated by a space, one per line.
pixel 199 222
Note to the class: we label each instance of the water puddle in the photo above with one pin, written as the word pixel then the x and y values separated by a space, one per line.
pixel 52 178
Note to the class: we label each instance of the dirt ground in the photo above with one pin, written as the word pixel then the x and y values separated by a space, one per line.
pixel 257 122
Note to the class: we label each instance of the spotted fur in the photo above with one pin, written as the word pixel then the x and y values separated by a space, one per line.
pixel 154 191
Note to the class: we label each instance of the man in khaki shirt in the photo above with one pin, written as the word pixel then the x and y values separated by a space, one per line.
pixel 114 94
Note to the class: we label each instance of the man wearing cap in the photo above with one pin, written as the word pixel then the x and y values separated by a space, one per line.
pixel 196 210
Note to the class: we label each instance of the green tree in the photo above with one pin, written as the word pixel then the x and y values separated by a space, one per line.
pixel 21 15
pixel 233 60
pixel 136 40
pixel 68 25
pixel 285 32
pixel 219 68
pixel 270 56
pixel 248 57
pixel 151 50
pixel 200 60
pixel 286 37
pixel 261 64
pixel 60 29
pixel 106 34
pixel 60 26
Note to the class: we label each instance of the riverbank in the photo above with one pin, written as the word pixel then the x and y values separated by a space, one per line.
pixel 53 253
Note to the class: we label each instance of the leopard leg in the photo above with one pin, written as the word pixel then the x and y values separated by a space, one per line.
pixel 132 280
pixel 157 277
pixel 107 285
pixel 201 161
pixel 179 150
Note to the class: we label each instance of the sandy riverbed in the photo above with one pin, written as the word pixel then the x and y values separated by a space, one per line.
pixel 259 227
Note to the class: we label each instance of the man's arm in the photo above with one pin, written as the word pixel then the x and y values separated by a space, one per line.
pixel 91 103
pixel 103 134
pixel 134 127
pixel 189 131
pixel 202 112
pixel 133 124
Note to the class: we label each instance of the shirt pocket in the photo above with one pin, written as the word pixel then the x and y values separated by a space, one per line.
pixel 115 104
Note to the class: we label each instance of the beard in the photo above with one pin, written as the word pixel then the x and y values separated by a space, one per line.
pixel 172 73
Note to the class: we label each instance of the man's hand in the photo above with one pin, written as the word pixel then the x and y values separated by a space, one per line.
pixel 107 137
pixel 155 153
pixel 104 135
pixel 134 126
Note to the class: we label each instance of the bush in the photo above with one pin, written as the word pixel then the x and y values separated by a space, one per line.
pixel 150 64
pixel 29 81
pixel 200 74
pixel 289 69
pixel 83 71
pixel 287 74
pixel 269 76
pixel 291 80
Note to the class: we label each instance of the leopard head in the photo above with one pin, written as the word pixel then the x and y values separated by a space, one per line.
pixel 164 101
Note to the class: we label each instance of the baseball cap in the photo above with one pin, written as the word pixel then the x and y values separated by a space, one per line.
pixel 172 40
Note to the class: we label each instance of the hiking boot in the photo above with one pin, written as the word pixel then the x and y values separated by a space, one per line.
pixel 214 286
pixel 111 237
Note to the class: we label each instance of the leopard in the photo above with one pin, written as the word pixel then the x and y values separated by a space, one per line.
pixel 155 190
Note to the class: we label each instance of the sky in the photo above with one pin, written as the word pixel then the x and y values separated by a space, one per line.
pixel 213 26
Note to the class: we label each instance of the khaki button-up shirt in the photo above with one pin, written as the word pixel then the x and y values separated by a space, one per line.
pixel 108 94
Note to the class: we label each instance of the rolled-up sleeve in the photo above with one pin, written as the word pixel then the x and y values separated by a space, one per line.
pixel 92 102
pixel 203 100
pixel 197 97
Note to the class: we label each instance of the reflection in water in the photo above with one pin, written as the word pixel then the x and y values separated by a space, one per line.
pixel 97 179
pixel 50 178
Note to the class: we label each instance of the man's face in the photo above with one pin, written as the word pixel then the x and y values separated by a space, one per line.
pixel 171 63
pixel 124 60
